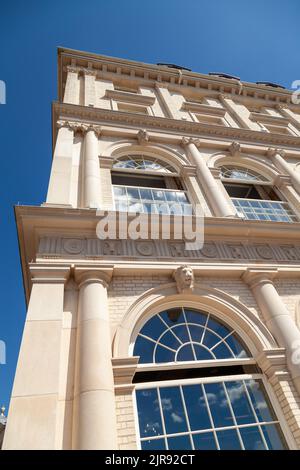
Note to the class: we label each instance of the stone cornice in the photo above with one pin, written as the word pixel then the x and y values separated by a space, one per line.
pixel 110 67
pixel 104 117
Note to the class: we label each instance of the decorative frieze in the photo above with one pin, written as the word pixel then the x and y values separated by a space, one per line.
pixel 54 247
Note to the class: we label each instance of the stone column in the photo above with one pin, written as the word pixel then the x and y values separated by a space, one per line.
pixel 277 157
pixel 276 316
pixel 91 169
pixel 95 415
pixel 206 180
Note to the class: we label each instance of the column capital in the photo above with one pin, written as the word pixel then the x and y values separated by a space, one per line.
pixel 254 277
pixel 190 140
pixel 47 274
pixel 87 275
pixel 85 128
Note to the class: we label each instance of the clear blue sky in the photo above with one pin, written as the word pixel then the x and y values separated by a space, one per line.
pixel 256 40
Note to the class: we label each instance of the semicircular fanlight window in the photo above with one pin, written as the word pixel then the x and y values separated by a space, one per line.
pixel 183 334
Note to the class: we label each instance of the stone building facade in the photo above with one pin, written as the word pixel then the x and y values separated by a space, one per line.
pixel 142 343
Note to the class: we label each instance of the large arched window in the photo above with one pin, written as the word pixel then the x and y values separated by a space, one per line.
pixel 143 183
pixel 197 387
pixel 254 196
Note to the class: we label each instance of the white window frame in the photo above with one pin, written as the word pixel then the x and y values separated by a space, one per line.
pixel 226 378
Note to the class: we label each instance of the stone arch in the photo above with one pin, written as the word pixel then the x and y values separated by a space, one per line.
pixel 246 161
pixel 163 152
pixel 230 311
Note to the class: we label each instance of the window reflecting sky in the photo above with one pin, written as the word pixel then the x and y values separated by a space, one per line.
pixel 218 415
pixel 181 334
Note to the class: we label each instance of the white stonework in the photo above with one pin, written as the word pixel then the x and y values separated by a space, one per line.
pixel 88 298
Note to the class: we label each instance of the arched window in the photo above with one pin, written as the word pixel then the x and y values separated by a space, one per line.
pixel 254 196
pixel 143 162
pixel 197 387
pixel 147 184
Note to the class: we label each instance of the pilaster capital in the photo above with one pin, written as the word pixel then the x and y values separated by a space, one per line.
pixel 282 181
pixel 235 149
pixel 106 161
pixel 273 363
pixel 188 170
pixel 90 274
pixel 224 96
pixel 72 69
pixel 190 140
pixel 158 85
pixel 216 172
pixel 124 369
pixel 143 136
pixel 89 71
pixel 49 274
pixel 271 152
pixel 255 277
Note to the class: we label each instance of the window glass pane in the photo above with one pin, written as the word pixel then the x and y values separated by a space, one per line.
pixel 204 441
pixel 182 333
pixel 260 400
pixel 154 327
pixel 274 437
pixel 196 333
pixel 210 339
pixel 236 347
pixel 185 353
pixel 154 444
pixel 158 195
pixel 164 355
pixel 222 352
pixel 173 316
pixel 133 193
pixel 144 348
pixel 239 402
pixel 202 354
pixel 195 317
pixel 228 440
pixel 148 412
pixel 179 443
pixel 168 339
pixel 218 405
pixel 196 407
pixel 218 327
pixel 173 411
pixel 146 194
pixel 252 438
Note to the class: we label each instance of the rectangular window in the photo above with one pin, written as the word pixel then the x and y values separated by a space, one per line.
pixel 132 108
pixel 223 415
pixel 259 202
